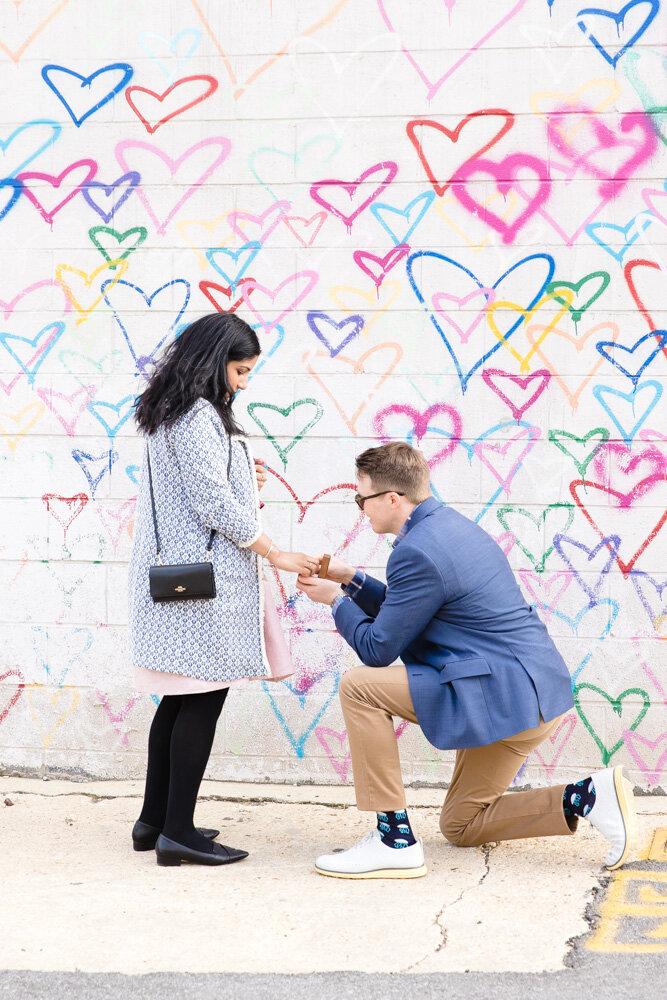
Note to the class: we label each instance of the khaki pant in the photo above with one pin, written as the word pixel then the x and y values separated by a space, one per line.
pixel 475 810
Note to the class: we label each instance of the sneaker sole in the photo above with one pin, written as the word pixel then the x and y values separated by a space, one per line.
pixel 380 873
pixel 626 802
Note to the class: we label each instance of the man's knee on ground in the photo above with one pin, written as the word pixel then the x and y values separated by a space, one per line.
pixel 455 831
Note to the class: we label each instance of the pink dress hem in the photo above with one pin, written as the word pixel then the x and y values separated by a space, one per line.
pixel 161 682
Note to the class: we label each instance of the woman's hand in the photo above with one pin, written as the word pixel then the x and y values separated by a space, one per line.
pixel 294 562
pixel 260 472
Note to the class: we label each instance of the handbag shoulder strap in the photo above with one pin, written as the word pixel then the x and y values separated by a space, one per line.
pixel 213 533
pixel 150 486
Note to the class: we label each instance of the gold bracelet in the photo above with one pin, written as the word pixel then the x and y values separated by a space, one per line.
pixel 268 551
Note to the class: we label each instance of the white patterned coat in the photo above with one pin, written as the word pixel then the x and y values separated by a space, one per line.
pixel 220 639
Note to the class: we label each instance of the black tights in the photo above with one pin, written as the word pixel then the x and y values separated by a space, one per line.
pixel 179 746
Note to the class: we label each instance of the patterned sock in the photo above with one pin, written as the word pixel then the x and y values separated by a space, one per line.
pixel 579 798
pixel 395 830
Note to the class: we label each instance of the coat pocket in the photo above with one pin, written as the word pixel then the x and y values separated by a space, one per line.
pixel 455 670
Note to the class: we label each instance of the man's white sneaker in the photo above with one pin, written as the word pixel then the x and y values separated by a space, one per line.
pixel 370 858
pixel 613 814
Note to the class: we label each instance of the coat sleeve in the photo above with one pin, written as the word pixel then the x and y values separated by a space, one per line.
pixel 415 592
pixel 202 453
pixel 367 592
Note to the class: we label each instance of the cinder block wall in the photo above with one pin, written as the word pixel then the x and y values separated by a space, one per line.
pixel 482 274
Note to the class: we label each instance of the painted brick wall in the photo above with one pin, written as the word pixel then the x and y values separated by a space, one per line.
pixel 448 221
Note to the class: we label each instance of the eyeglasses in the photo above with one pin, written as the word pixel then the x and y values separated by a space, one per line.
pixel 360 501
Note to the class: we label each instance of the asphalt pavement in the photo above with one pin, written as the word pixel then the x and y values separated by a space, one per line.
pixel 83 916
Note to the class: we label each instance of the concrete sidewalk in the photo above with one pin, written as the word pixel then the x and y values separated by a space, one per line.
pixel 76 897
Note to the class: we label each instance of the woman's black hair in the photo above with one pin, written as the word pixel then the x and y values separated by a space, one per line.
pixel 194 366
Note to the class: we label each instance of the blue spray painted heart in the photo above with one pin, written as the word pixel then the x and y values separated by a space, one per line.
pixel 119 288
pixel 415 263
pixel 85 84
pixel 52 127
pixel 655 342
pixel 94 467
pixel 354 324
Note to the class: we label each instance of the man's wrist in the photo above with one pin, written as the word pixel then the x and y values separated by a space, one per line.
pixel 349 576
pixel 356 583
pixel 337 601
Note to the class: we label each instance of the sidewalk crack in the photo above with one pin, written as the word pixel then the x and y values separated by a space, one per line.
pixel 486 850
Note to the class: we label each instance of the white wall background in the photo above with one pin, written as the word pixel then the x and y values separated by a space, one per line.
pixel 384 312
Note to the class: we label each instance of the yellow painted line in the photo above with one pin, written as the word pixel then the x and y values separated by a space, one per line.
pixel 649 889
pixel 658 847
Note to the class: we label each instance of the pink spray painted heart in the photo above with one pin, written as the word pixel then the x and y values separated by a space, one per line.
pixel 650 756
pixel 219 148
pixel 518 384
pixel 392 10
pixel 505 174
pixel 504 458
pixel 441 299
pixel 303 281
pixel 359 189
pixel 85 170
pixel 378 267
pixel 421 422
pixel 68 409
pixel 251 227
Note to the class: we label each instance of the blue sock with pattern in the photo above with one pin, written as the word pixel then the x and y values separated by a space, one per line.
pixel 395 829
pixel 579 798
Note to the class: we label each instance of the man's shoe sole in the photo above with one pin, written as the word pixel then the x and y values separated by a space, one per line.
pixel 380 873
pixel 626 803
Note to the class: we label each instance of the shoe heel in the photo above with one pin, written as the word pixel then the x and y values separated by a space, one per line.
pixel 626 801
pixel 165 861
pixel 138 846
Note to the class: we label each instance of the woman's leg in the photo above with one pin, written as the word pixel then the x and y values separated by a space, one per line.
pixel 157 772
pixel 191 742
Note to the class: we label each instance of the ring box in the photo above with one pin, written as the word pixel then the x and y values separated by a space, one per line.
pixel 324 566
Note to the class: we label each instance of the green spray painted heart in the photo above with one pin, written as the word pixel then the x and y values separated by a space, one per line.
pixel 584 454
pixel 139 231
pixel 579 304
pixel 643 84
pixel 608 752
pixel 83 368
pixel 511 513
pixel 659 116
pixel 293 439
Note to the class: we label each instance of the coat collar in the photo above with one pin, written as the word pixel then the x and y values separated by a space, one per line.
pixel 421 511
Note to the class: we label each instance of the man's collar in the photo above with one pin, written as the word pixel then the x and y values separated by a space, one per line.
pixel 421 511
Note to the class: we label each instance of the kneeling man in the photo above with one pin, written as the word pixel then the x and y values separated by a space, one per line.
pixel 479 674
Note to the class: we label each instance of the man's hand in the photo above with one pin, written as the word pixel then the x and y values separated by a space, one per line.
pixel 339 571
pixel 320 591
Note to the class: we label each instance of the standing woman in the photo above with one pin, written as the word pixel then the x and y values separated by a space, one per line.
pixel 189 651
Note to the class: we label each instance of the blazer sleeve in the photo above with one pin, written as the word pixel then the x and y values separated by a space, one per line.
pixel 415 593
pixel 369 595
pixel 202 452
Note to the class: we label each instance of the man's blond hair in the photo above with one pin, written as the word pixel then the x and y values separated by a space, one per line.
pixel 398 467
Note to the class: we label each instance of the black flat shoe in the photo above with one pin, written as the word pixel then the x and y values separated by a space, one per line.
pixel 144 837
pixel 170 854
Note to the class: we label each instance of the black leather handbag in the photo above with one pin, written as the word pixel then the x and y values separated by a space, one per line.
pixel 184 581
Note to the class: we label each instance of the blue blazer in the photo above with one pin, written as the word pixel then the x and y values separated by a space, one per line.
pixel 481 664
